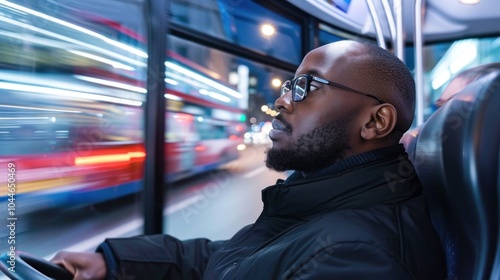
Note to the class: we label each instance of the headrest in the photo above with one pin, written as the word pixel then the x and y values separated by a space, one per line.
pixel 457 160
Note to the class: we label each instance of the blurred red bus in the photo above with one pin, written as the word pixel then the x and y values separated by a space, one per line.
pixel 74 126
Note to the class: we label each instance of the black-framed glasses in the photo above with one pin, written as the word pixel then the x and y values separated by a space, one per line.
pixel 301 85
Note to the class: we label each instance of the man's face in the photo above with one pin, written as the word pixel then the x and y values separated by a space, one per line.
pixel 310 150
pixel 316 132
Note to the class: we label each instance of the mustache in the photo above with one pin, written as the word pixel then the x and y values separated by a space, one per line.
pixel 287 125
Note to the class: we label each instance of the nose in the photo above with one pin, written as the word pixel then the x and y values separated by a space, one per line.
pixel 284 102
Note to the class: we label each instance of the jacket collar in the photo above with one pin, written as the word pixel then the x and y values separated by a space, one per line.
pixel 387 178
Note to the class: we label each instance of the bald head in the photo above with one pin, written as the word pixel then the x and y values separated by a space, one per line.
pixel 373 70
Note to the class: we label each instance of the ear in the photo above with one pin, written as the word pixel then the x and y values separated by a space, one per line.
pixel 383 119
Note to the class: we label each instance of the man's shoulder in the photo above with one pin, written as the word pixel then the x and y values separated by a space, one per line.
pixel 384 224
pixel 399 233
pixel 362 224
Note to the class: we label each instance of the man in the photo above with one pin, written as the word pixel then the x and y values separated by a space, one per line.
pixel 353 208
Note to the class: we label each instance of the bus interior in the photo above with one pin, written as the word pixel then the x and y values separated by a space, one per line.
pixel 84 155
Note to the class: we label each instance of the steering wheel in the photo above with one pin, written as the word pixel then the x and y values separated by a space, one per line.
pixel 27 266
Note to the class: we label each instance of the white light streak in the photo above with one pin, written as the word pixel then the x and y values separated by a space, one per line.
pixel 202 79
pixel 77 28
pixel 215 95
pixel 113 63
pixel 171 81
pixel 71 40
pixel 172 97
pixel 111 84
pixel 39 109
pixel 68 93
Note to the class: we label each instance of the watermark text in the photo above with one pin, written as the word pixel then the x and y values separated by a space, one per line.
pixel 11 215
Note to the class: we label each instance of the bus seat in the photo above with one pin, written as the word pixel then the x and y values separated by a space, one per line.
pixel 456 157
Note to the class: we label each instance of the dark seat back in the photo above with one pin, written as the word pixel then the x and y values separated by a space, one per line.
pixel 456 155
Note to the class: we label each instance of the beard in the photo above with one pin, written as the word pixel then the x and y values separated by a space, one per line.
pixel 314 150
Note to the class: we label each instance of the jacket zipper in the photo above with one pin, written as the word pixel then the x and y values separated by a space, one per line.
pixel 227 270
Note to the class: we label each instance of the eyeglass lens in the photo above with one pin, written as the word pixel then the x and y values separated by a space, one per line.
pixel 299 88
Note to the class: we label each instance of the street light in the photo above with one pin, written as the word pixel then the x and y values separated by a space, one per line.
pixel 267 30
pixel 276 82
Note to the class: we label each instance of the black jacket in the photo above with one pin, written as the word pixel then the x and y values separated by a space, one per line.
pixel 367 219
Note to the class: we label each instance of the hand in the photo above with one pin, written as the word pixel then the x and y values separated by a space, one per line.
pixel 82 265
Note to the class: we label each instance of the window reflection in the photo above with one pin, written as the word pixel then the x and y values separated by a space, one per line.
pixel 210 95
pixel 207 133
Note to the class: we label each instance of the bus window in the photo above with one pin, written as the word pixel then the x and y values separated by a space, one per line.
pixel 229 20
pixel 328 34
pixel 221 96
pixel 71 119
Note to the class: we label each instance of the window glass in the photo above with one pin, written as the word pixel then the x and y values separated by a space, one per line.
pixel 72 78
pixel 326 38
pixel 244 23
pixel 219 109
pixel 328 34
